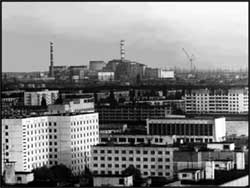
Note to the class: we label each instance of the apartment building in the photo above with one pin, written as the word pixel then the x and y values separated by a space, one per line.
pixel 34 98
pixel 232 101
pixel 151 160
pixel 73 105
pixel 123 138
pixel 33 142
pixel 189 130
pixel 137 112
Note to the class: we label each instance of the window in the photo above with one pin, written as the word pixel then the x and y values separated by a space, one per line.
pixel 152 159
pixel 160 152
pixel 95 158
pixel 102 151
pixel 138 166
pixel 123 152
pixel 167 160
pixel 109 158
pixel 123 166
pixel 138 159
pixel 102 165
pixel 145 159
pixel 159 159
pixel 131 152
pixel 130 158
pixel 184 175
pixel 110 165
pixel 123 158
pixel 116 158
pixel 152 152
pixel 145 152
pixel 138 151
pixel 121 181
pixel 152 166
pixel 160 166
pixel 116 151
pixel 95 165
pixel 145 166
pixel 6 134
pixel 6 126
pixel 116 165
pixel 102 158
pixel 109 151
pixel 167 166
pixel 95 151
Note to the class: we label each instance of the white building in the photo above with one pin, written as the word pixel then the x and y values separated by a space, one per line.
pixel 34 98
pixel 73 105
pixel 156 73
pixel 151 160
pixel 112 180
pixel 218 101
pixel 49 140
pixel 106 76
pixel 189 130
pixel 136 139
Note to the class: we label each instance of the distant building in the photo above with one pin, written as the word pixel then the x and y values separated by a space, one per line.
pixel 112 180
pixel 73 105
pixel 137 112
pixel 49 140
pixel 232 101
pixel 34 98
pixel 106 76
pixel 96 65
pixel 157 73
pixel 129 138
pixel 151 160
pixel 189 130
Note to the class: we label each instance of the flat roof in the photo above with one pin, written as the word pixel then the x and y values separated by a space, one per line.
pixel 190 170
pixel 134 145
pixel 44 115
pixel 111 175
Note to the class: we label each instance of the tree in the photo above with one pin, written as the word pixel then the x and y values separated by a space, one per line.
pixel 59 100
pixel 43 102
pixel 61 173
pixel 136 173
pixel 43 174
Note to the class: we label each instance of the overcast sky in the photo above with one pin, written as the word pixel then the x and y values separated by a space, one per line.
pixel 154 33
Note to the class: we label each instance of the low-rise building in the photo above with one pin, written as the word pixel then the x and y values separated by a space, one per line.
pixel 189 129
pixel 151 160
pixel 191 174
pixel 106 76
pixel 112 180
pixel 34 98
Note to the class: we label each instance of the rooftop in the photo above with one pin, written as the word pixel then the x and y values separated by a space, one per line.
pixel 111 144
pixel 190 170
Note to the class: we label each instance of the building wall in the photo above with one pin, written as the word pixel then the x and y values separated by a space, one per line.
pixel 137 139
pixel 35 98
pixel 115 159
pixel 206 101
pixel 128 112
pixel 50 140
pixel 191 130
pixel 106 76
pixel 112 181
pixel 240 182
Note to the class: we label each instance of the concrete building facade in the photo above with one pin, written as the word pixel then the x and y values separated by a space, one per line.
pixel 49 140
pixel 151 160
pixel 35 98
pixel 232 101
pixel 189 130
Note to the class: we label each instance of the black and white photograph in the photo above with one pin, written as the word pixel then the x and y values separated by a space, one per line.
pixel 124 94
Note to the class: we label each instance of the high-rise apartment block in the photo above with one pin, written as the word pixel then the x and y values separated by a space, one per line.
pixel 33 142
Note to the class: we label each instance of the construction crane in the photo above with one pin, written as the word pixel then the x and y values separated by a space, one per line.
pixel 191 59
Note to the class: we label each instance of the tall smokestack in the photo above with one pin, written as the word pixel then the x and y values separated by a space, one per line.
pixel 122 43
pixel 51 68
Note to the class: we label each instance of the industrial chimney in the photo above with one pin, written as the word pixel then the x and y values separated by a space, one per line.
pixel 122 43
pixel 51 68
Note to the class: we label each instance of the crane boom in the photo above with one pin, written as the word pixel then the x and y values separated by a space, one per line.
pixel 190 59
